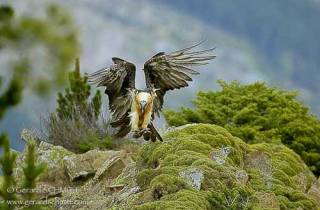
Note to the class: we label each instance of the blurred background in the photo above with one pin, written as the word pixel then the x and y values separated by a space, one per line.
pixel 272 41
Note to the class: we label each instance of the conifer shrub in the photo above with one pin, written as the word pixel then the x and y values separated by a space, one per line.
pixel 7 163
pixel 275 176
pixel 31 172
pixel 78 124
pixel 257 113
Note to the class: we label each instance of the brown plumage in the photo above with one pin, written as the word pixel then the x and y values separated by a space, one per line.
pixel 132 109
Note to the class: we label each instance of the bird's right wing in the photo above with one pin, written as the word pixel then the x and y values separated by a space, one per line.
pixel 119 80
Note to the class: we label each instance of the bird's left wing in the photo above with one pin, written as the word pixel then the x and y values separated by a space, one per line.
pixel 173 71
pixel 119 80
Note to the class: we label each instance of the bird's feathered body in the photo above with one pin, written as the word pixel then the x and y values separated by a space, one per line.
pixel 132 109
pixel 140 118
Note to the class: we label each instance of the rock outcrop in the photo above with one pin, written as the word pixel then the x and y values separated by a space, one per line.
pixel 197 166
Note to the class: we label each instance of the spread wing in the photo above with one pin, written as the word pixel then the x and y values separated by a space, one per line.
pixel 119 80
pixel 173 71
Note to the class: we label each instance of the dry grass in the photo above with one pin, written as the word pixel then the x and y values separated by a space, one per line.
pixel 78 133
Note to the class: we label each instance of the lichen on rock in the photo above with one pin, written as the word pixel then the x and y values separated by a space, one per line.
pixel 193 177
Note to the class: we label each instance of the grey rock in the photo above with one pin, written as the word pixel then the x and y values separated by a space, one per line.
pixel 242 177
pixel 220 155
pixel 52 156
pixel 110 169
pixel 79 166
pixel 28 136
pixel 193 176
pixel 314 192
pixel 267 200
pixel 262 162
pixel 100 193
pixel 47 191
pixel 302 180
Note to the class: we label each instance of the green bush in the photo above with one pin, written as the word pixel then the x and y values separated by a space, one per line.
pixel 78 124
pixel 257 113
pixel 91 142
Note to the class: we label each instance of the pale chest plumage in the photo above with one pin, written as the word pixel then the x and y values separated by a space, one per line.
pixel 141 116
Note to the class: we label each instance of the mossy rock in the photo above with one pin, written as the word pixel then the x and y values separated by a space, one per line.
pixel 272 171
pixel 52 156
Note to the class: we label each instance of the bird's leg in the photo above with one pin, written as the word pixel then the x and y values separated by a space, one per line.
pixel 140 132
pixel 146 132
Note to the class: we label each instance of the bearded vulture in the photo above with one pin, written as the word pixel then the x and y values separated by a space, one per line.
pixel 133 110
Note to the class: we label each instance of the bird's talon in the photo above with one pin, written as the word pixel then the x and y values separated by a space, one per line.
pixel 136 134
pixel 147 135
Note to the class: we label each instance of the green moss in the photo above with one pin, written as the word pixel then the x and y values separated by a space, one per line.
pixel 165 184
pixel 199 147
pixel 191 145
pixel 184 199
pixel 145 177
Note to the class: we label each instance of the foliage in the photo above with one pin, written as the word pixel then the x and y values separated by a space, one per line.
pixel 54 35
pixel 94 141
pixel 31 171
pixel 78 124
pixel 195 147
pixel 75 99
pixel 12 94
pixel 7 162
pixel 257 113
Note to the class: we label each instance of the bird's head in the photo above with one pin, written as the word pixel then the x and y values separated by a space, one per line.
pixel 144 99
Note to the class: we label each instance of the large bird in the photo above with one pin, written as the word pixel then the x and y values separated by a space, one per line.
pixel 133 110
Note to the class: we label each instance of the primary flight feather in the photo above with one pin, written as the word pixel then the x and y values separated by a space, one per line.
pixel 133 110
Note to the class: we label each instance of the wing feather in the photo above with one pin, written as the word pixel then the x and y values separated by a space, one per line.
pixel 173 71
pixel 118 79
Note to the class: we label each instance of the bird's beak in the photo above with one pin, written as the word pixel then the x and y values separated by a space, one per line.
pixel 143 105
